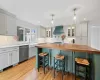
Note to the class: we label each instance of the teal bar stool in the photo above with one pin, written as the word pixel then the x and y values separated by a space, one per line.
pixel 43 61
pixel 59 64
pixel 82 68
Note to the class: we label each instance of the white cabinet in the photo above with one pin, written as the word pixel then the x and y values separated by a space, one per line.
pixel 48 32
pixel 7 23
pixel 82 29
pixel 2 24
pixel 70 31
pixel 81 40
pixel 84 41
pixel 8 57
pixel 32 51
pixel 41 32
pixel 4 60
pixel 11 25
pixel 78 30
pixel 15 57
pixel 82 33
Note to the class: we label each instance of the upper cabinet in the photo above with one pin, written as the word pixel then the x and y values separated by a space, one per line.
pixel 2 24
pixel 7 23
pixel 41 32
pixel 82 33
pixel 11 25
pixel 49 32
pixel 71 31
pixel 82 29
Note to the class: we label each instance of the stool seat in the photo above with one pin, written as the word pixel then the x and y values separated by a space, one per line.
pixel 43 54
pixel 82 61
pixel 59 57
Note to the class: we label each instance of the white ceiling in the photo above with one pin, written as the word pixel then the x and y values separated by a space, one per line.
pixel 40 10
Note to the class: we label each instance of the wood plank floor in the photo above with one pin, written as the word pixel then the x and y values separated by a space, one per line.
pixel 23 71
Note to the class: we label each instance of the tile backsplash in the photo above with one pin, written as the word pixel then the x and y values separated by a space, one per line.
pixel 4 40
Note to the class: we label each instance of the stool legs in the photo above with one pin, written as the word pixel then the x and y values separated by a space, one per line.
pixel 38 63
pixel 44 64
pixel 48 61
pixel 62 70
pixel 59 64
pixel 44 61
pixel 54 67
pixel 75 71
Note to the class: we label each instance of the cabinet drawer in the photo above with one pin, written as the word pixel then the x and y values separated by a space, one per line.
pixel 8 49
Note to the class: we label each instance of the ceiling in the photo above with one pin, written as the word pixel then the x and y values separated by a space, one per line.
pixel 36 11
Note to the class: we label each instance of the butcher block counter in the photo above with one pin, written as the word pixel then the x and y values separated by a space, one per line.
pixel 71 47
pixel 71 51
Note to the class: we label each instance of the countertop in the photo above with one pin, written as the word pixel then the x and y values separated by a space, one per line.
pixel 70 47
pixel 18 44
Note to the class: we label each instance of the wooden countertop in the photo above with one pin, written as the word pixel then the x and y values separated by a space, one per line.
pixel 70 47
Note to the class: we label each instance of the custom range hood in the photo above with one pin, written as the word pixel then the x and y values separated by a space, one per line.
pixel 58 30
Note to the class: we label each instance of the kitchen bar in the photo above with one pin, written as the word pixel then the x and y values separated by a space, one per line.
pixel 74 48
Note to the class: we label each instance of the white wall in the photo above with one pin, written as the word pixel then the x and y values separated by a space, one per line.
pixel 25 24
pixel 95 37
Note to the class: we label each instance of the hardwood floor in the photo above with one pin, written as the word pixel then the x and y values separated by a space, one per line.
pixel 24 71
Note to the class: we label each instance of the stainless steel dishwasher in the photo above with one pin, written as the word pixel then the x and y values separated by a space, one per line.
pixel 23 53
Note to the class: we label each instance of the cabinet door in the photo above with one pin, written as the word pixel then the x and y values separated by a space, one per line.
pixel 69 31
pixel 78 30
pixel 81 40
pixel 42 32
pixel 84 41
pixel 11 25
pixel 15 57
pixel 2 24
pixel 84 29
pixel 32 51
pixel 78 40
pixel 4 60
pixel 73 31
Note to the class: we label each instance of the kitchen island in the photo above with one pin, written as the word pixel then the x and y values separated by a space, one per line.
pixel 70 51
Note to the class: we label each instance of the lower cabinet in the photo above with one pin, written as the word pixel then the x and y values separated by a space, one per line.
pixel 32 51
pixel 4 60
pixel 8 57
pixel 14 57
pixel 81 40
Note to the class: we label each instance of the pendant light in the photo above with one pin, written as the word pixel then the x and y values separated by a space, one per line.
pixel 52 21
pixel 74 18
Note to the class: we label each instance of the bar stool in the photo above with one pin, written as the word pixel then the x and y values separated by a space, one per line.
pixel 82 68
pixel 43 61
pixel 59 64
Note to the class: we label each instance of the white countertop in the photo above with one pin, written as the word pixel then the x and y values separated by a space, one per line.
pixel 18 44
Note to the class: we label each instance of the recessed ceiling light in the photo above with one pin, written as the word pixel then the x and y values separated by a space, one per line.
pixel 84 19
pixel 38 22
